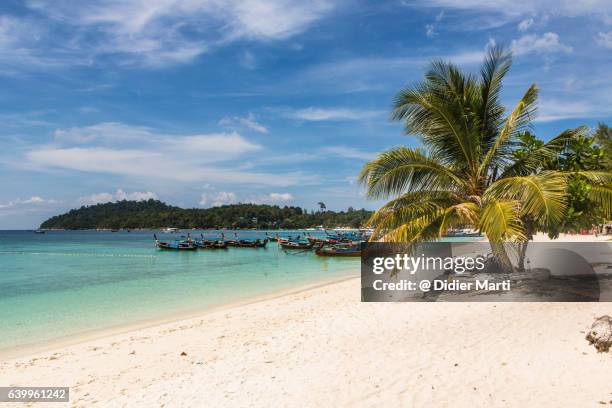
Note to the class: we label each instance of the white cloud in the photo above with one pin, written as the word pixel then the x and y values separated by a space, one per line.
pixel 143 154
pixel 525 24
pixel 119 195
pixel 604 39
pixel 20 44
pixel 372 72
pixel 322 114
pixel 512 8
pixel 348 152
pixel 551 109
pixel 276 197
pixel 249 122
pixel 248 60
pixel 32 201
pixel 162 32
pixel 106 130
pixel 218 198
pixel 548 43
pixel 430 30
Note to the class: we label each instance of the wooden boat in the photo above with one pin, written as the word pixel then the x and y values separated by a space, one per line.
pixel 346 236
pixel 39 231
pixel 210 243
pixel 207 244
pixel 175 245
pixel 305 245
pixel 284 240
pixel 273 239
pixel 322 241
pixel 339 250
pixel 244 243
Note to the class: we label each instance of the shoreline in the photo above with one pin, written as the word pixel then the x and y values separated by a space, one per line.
pixel 99 334
pixel 321 346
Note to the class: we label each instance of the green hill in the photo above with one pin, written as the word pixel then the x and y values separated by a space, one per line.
pixel 155 214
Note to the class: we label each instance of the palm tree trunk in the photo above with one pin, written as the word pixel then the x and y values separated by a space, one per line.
pixel 521 255
pixel 502 260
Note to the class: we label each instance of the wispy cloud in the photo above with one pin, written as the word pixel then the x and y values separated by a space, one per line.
pixel 119 195
pixel 525 24
pixel 348 152
pixel 217 198
pixel 604 39
pixel 249 122
pixel 548 43
pixel 157 32
pixel 374 72
pixel 552 109
pixel 314 114
pixel 34 200
pixel 34 206
pixel 430 29
pixel 139 152
pixel 512 8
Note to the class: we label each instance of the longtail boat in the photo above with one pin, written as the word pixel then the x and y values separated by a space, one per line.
pixel 206 244
pixel 175 245
pixel 275 238
pixel 339 250
pixel 296 245
pixel 246 243
pixel 210 243
pixel 322 241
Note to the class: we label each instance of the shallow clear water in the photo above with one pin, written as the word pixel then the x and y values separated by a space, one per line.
pixel 71 282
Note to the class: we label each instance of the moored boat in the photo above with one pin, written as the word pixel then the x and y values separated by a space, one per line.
pixel 175 245
pixel 275 238
pixel 248 243
pixel 210 244
pixel 305 245
pixel 339 250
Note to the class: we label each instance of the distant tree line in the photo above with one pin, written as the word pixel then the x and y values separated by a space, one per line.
pixel 156 214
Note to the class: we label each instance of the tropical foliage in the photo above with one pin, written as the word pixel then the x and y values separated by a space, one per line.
pixel 155 214
pixel 603 137
pixel 478 166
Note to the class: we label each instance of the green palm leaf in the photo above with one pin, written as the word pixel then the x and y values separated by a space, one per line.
pixel 542 196
pixel 402 169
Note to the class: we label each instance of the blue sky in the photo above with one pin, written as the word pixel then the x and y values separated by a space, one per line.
pixel 208 102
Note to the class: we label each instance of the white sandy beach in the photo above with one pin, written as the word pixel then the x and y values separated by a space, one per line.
pixel 322 347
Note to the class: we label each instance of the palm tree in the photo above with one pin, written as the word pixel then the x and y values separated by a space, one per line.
pixel 464 173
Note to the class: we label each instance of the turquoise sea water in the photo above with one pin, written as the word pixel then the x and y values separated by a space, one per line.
pixel 68 283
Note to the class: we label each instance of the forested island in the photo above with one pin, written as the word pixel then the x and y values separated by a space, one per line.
pixel 153 214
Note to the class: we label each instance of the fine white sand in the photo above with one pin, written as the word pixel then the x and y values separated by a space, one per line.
pixel 322 347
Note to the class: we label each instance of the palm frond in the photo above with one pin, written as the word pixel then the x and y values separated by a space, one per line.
pixel 517 121
pixel 596 176
pixel 439 110
pixel 403 169
pixel 494 69
pixel 500 220
pixel 603 196
pixel 459 215
pixel 542 196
